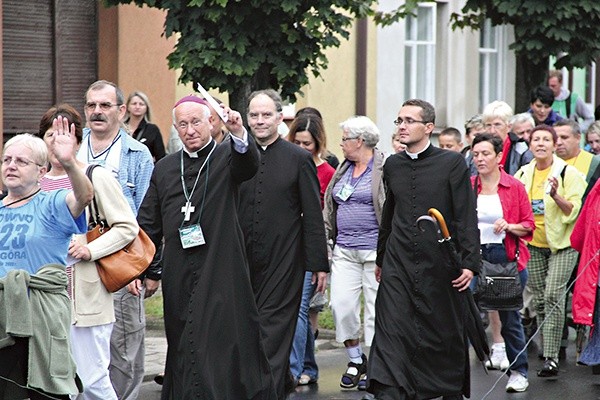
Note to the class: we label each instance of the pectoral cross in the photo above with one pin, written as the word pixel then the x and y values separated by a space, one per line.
pixel 187 210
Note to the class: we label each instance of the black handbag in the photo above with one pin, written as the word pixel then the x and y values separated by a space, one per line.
pixel 499 286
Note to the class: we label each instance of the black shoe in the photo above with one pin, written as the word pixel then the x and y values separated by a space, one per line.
pixel 529 327
pixel 562 354
pixel 353 373
pixel 159 378
pixel 549 369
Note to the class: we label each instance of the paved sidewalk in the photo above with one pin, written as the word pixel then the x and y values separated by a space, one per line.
pixel 156 353
pixel 156 348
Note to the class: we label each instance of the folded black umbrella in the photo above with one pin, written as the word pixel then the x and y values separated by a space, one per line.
pixel 474 326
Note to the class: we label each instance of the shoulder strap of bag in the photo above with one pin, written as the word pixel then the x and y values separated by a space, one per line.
pixel 140 134
pixel 517 240
pixel 94 214
pixel 568 106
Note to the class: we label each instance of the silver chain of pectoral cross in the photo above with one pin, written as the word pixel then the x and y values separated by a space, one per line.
pixel 188 208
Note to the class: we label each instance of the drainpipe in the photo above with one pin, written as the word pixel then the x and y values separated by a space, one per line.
pixel 361 67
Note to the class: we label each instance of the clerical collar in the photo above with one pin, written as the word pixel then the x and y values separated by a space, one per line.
pixel 194 154
pixel 264 147
pixel 415 156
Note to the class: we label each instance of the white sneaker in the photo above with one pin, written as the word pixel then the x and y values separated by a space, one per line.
pixel 498 359
pixel 516 382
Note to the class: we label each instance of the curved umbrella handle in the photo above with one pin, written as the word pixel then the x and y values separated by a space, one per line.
pixel 434 213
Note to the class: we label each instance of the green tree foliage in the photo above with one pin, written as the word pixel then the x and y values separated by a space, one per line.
pixel 243 45
pixel 565 29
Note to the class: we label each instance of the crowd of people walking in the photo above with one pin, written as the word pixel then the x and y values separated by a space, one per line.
pixel 251 228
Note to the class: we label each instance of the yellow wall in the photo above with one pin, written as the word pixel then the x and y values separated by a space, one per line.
pixel 136 60
pixel 142 62
pixel 334 95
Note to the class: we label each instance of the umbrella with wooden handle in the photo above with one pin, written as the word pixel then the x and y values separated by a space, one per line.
pixel 475 331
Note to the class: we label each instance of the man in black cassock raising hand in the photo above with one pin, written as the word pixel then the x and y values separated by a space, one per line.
pixel 211 320
pixel 420 347
pixel 280 212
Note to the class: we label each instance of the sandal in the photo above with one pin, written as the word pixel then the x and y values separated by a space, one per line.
pixel 306 380
pixel 362 383
pixel 351 377
pixel 550 368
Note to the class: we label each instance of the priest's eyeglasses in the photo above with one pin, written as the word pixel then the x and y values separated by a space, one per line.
pixel 19 162
pixel 408 121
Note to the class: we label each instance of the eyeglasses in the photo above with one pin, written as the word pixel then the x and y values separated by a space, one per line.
pixel 183 126
pixel 345 139
pixel 20 162
pixel 408 121
pixel 104 106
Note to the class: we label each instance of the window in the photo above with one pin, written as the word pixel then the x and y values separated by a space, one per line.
pixel 49 56
pixel 491 63
pixel 419 55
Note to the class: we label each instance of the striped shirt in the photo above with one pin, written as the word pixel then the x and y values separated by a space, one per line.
pixel 357 226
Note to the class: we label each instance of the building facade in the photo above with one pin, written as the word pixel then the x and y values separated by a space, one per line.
pixel 53 49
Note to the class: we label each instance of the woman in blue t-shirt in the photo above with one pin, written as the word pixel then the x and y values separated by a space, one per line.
pixel 35 230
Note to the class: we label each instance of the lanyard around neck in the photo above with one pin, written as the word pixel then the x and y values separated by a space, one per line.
pixel 188 196
pixel 104 152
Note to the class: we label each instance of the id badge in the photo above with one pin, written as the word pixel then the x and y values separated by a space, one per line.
pixel 191 236
pixel 345 192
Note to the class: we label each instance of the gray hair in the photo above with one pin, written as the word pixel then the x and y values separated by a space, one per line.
pixel 204 107
pixel 476 121
pixel 362 127
pixel 272 94
pixel 575 130
pixel 98 85
pixel 522 118
pixel 497 109
pixel 37 146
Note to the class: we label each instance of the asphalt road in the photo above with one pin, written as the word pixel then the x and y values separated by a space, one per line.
pixel 573 382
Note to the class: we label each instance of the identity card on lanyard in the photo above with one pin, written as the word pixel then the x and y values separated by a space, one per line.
pixel 192 235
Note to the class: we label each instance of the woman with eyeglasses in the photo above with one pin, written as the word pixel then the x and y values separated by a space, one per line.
pixel 36 231
pixel 137 121
pixel 353 204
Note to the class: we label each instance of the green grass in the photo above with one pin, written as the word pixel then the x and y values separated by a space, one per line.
pixel 154 306
pixel 154 310
pixel 326 319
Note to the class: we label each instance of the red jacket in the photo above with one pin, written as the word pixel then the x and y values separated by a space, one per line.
pixel 516 209
pixel 586 240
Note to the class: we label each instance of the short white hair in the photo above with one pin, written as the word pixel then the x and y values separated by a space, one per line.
pixel 37 146
pixel 362 127
pixel 497 109
pixel 205 110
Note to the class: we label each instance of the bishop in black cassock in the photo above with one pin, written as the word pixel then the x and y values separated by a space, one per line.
pixel 215 350
pixel 420 348
pixel 281 216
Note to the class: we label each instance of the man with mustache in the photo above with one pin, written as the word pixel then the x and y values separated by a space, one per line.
pixel 106 143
